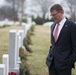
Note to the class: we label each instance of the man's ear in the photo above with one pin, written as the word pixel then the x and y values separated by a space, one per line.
pixel 62 12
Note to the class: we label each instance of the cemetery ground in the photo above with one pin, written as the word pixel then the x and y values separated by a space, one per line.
pixel 40 47
pixel 4 39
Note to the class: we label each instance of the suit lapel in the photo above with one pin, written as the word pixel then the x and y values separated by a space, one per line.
pixel 52 29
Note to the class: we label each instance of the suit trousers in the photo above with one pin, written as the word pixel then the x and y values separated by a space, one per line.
pixel 54 71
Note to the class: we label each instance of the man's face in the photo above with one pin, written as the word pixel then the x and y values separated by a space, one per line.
pixel 57 16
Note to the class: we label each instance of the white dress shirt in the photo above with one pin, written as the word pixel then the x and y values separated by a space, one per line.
pixel 61 24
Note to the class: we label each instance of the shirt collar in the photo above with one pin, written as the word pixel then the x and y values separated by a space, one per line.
pixel 62 21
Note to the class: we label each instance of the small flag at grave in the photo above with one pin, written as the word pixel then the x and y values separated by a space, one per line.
pixel 13 73
pixel 9 73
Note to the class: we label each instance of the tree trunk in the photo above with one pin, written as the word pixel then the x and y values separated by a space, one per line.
pixel 21 11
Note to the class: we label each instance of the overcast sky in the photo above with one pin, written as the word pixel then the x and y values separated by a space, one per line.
pixel 55 1
pixel 1 2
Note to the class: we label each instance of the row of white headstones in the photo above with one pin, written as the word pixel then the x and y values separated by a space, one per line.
pixel 11 61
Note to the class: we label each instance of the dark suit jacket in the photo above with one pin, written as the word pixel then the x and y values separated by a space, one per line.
pixel 64 50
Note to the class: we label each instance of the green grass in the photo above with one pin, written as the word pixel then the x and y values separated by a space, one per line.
pixel 4 34
pixel 40 47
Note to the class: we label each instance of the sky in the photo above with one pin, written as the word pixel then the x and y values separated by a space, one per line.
pixel 1 2
pixel 57 1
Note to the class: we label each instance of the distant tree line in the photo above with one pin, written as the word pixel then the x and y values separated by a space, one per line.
pixel 13 8
pixel 40 20
pixel 8 12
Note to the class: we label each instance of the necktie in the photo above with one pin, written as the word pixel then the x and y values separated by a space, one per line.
pixel 56 32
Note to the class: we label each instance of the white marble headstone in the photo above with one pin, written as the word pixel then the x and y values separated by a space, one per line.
pixel 29 20
pixel 24 29
pixel 21 34
pixel 6 62
pixel 2 69
pixel 12 48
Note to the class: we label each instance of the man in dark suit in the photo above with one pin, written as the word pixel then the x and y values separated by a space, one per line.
pixel 62 53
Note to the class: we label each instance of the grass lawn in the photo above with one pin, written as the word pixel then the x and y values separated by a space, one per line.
pixel 4 39
pixel 40 47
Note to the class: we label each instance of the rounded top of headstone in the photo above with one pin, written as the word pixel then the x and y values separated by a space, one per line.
pixel 5 55
pixel 20 31
pixel 2 65
pixel 24 24
pixel 13 30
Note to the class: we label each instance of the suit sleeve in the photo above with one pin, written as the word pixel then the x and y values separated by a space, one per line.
pixel 73 41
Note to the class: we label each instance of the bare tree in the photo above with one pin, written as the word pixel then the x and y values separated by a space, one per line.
pixel 18 5
pixel 43 5
pixel 72 6
pixel 21 10
pixel 13 4
pixel 7 12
